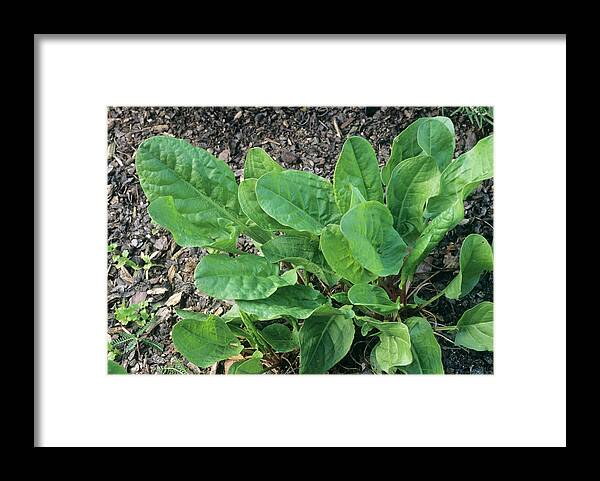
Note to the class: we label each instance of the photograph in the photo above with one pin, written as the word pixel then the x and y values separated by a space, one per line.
pixel 266 240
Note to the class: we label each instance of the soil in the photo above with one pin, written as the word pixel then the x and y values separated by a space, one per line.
pixel 307 139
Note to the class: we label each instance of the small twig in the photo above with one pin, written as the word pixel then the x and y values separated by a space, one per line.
pixel 484 221
pixel 337 129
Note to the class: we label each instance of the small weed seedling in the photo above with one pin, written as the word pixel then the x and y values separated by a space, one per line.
pixel 336 259
pixel 136 313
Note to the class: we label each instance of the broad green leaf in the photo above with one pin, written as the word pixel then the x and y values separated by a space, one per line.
pixel 325 338
pixel 373 241
pixel 393 348
pixel 437 141
pixel 296 300
pixel 427 354
pixel 431 236
pixel 405 145
pixel 247 366
pixel 337 252
pixel 373 297
pixel 169 166
pixel 244 277
pixel 476 328
pixel 250 206
pixel 356 197
pixel 340 297
pixel 463 175
pixel 115 368
pixel 300 200
pixel 193 315
pixel 300 251
pixel 357 166
pixel 195 223
pixel 205 342
pixel 202 186
pixel 475 258
pixel 259 163
pixel 280 337
pixel 412 183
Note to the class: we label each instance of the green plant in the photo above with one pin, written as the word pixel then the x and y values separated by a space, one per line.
pixel 136 313
pixel 121 259
pixel 335 257
pixel 128 341
pixel 477 115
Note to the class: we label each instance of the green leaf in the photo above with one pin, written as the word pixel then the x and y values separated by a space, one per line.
pixel 405 145
pixel 195 223
pixel 357 166
pixel 475 258
pixel 463 175
pixel 202 186
pixel 252 209
pixel 431 236
pixel 373 241
pixel 373 297
pixel 244 277
pixel 247 366
pixel 356 198
pixel 325 338
pixel 297 301
pixel 476 328
pixel 193 315
pixel 205 342
pixel 259 163
pixel 115 368
pixel 437 141
pixel 427 354
pixel 412 183
pixel 301 252
pixel 340 297
pixel 336 249
pixel 169 166
pixel 300 200
pixel 393 348
pixel 280 337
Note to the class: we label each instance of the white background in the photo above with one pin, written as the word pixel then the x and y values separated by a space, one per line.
pixel 523 403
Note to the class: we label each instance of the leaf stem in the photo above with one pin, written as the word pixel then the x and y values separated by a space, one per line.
pixel 434 298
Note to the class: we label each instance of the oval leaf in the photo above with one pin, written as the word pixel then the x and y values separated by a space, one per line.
pixel 195 223
pixel 356 167
pixel 427 354
pixel 324 340
pixel 244 277
pixel 406 146
pixel 300 200
pixel 280 338
pixel 476 328
pixel 205 342
pixel 373 241
pixel 412 183
pixel 336 249
pixel 463 175
pixel 169 166
pixel 437 141
pixel 475 258
pixel 259 163
pixel 252 209
pixel 373 297
pixel 393 349
pixel 297 301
